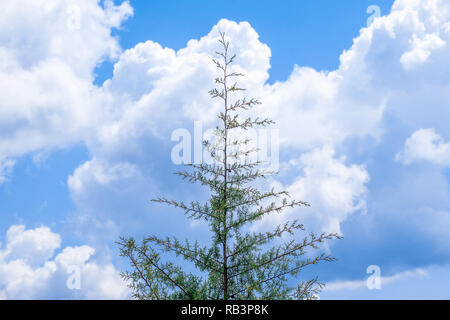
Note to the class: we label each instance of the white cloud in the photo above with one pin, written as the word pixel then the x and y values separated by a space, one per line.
pixel 158 90
pixel 29 268
pixel 103 174
pixel 34 246
pixel 373 70
pixel 155 90
pixel 425 145
pixel 396 70
pixel 422 49
pixel 333 189
pixel 385 280
pixel 48 52
pixel 77 33
pixel 427 282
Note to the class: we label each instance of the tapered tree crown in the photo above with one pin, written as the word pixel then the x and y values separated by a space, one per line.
pixel 237 264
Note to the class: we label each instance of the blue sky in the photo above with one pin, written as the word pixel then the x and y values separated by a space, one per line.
pixel 91 92
pixel 306 33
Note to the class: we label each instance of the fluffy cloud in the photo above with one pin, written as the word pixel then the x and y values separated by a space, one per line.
pixel 77 33
pixel 421 51
pixel 98 189
pixel 425 145
pixel 99 173
pixel 48 52
pixel 34 246
pixel 333 125
pixel 151 82
pixel 334 190
pixel 429 282
pixel 155 90
pixel 358 284
pixel 29 269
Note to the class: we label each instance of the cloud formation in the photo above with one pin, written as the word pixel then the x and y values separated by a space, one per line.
pixel 334 125
pixel 425 145
pixel 29 269
pixel 407 284
pixel 321 115
pixel 48 53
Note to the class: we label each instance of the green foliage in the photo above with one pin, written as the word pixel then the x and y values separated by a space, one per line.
pixel 237 264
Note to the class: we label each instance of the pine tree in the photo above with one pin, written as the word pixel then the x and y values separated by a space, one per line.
pixel 238 264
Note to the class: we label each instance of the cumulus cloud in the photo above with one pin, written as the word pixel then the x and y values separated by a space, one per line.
pixel 425 145
pixel 102 174
pixel 422 49
pixel 428 282
pixel 334 190
pixel 77 33
pixel 393 79
pixel 384 280
pixel 29 268
pixel 158 90
pixel 155 90
pixel 98 188
pixel 34 246
pixel 48 52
